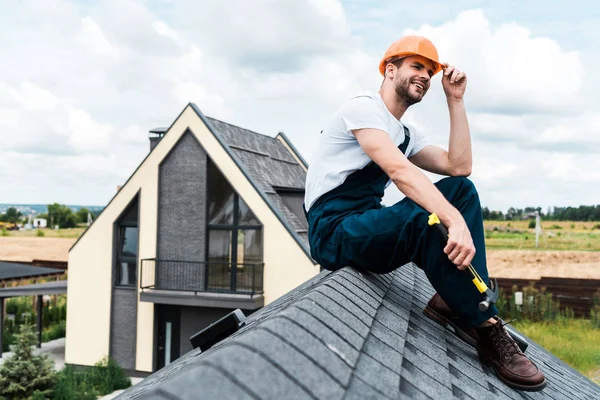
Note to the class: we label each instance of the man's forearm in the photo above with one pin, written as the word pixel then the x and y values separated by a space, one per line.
pixel 459 148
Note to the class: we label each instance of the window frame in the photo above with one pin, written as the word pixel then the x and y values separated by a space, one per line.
pixel 233 228
pixel 120 227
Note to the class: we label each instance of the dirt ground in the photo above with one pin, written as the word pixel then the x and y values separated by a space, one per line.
pixel 527 264
pixel 28 248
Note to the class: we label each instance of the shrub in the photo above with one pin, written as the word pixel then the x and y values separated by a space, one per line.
pixel 538 305
pixel 596 226
pixel 4 232
pixel 595 311
pixel 531 224
pixel 572 226
pixel 24 373
pixel 105 377
pixel 39 233
pixel 554 226
pixel 55 331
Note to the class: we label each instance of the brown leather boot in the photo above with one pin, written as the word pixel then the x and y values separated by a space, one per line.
pixel 497 348
pixel 438 310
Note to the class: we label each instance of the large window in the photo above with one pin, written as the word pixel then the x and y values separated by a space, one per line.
pixel 127 246
pixel 235 242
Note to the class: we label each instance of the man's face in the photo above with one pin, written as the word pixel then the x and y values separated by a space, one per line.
pixel 413 78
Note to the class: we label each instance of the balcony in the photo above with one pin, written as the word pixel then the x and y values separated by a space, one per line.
pixel 198 283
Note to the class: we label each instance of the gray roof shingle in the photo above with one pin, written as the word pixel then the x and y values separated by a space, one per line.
pixel 271 165
pixel 349 335
pixel 11 270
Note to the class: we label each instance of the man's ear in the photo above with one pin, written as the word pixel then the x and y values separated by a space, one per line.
pixel 390 70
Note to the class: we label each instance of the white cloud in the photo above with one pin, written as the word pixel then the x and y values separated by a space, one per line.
pixel 509 70
pixel 164 30
pixel 113 70
pixel 87 135
pixel 93 37
pixel 32 97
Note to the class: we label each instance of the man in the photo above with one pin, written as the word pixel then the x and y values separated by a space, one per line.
pixel 364 148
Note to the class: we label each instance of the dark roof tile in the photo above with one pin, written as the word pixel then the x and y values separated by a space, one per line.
pixel 351 335
pixel 13 270
pixel 270 164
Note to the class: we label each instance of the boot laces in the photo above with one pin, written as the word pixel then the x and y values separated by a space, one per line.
pixel 507 345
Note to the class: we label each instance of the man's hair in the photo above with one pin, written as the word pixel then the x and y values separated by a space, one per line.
pixel 397 63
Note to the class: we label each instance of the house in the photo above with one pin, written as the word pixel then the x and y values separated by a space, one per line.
pixel 349 335
pixel 40 223
pixel 210 221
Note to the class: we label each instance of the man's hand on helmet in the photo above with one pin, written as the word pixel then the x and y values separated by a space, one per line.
pixel 454 82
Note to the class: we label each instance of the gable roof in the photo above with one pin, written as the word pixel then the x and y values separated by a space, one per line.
pixel 270 164
pixel 349 335
pixel 265 162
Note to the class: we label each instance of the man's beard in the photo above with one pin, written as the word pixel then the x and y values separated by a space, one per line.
pixel 405 95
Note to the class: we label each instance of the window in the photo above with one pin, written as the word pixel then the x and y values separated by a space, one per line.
pixel 294 200
pixel 127 246
pixel 234 236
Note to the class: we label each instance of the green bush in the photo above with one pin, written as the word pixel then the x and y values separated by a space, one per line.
pixel 595 311
pixel 4 232
pixel 23 373
pixel 554 226
pixel 596 226
pixel 55 331
pixel 531 224
pixel 39 233
pixel 538 305
pixel 104 378
pixel 54 318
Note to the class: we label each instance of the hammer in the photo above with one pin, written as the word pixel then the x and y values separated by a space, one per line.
pixel 491 293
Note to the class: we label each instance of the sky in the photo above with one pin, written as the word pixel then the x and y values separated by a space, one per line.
pixel 82 83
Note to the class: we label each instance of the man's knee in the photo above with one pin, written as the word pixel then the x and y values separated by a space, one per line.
pixel 459 183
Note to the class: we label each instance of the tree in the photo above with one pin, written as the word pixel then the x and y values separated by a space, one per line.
pixel 61 215
pixel 82 215
pixel 25 374
pixel 11 215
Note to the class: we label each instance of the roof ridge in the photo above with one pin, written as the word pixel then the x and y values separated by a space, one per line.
pixel 242 128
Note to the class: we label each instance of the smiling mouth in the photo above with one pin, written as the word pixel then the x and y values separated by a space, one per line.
pixel 419 86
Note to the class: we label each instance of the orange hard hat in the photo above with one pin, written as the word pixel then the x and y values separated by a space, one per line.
pixel 411 46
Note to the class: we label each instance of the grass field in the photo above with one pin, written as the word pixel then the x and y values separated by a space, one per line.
pixel 71 233
pixel 556 235
pixel 575 341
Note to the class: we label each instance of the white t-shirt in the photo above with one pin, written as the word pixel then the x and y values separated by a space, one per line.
pixel 338 152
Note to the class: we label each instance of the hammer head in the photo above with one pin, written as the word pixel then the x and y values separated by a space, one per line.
pixel 491 295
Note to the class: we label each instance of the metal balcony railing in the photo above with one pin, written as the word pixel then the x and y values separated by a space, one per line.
pixel 200 276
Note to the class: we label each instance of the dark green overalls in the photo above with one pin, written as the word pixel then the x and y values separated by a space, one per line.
pixel 348 226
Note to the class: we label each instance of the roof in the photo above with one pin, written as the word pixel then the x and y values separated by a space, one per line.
pixel 347 335
pixel 9 270
pixel 36 289
pixel 270 164
pixel 266 163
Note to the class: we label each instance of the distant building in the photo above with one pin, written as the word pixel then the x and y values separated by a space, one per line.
pixel 39 223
